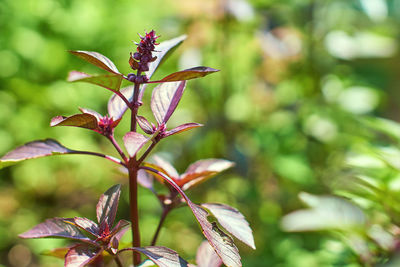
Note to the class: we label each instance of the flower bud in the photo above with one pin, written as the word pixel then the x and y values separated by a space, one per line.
pixel 131 77
pixel 143 56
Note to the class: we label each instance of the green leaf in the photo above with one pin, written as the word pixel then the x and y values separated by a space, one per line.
pixel 385 126
pixel 325 213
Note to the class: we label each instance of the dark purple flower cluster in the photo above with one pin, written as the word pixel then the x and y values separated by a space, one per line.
pixel 106 125
pixel 140 60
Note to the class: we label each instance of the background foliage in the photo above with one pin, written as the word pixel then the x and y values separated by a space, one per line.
pixel 297 106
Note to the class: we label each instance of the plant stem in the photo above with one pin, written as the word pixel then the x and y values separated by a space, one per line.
pixel 146 153
pixel 117 147
pixel 115 160
pixel 133 168
pixel 118 261
pixel 133 201
pixel 135 105
pixel 118 93
pixel 162 219
pixel 170 181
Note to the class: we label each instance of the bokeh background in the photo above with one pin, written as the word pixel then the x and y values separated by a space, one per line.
pixel 306 101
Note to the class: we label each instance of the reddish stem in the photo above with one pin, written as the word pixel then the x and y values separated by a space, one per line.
pixel 117 147
pixel 133 170
pixel 118 93
pixel 115 160
pixel 135 105
pixel 133 200
pixel 146 153
pixel 170 181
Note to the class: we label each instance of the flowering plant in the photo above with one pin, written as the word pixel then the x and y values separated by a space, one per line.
pixel 99 242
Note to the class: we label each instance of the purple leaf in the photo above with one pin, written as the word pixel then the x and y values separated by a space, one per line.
pixel 145 124
pixel 87 225
pixel 121 225
pixel 79 120
pixel 161 256
pixel 164 100
pixel 182 128
pixel 57 228
pixel 120 229
pixel 91 112
pixel 156 174
pixel 107 206
pixel 220 241
pixel 134 142
pixel 81 255
pixel 206 256
pixel 35 149
pixel 116 106
pixel 166 166
pixel 145 180
pixel 213 165
pixel 202 170
pixel 163 50
pixel 233 221
pixel 109 81
pixel 187 74
pixel 97 59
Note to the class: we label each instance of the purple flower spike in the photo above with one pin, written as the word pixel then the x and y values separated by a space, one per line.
pixel 143 56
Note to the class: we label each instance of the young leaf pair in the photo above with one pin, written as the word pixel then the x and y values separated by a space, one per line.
pixel 164 101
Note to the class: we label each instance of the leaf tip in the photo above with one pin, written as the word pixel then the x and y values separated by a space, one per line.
pixel 56 120
pixel 23 235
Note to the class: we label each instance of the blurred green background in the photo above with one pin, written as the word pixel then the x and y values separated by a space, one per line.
pixel 298 105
